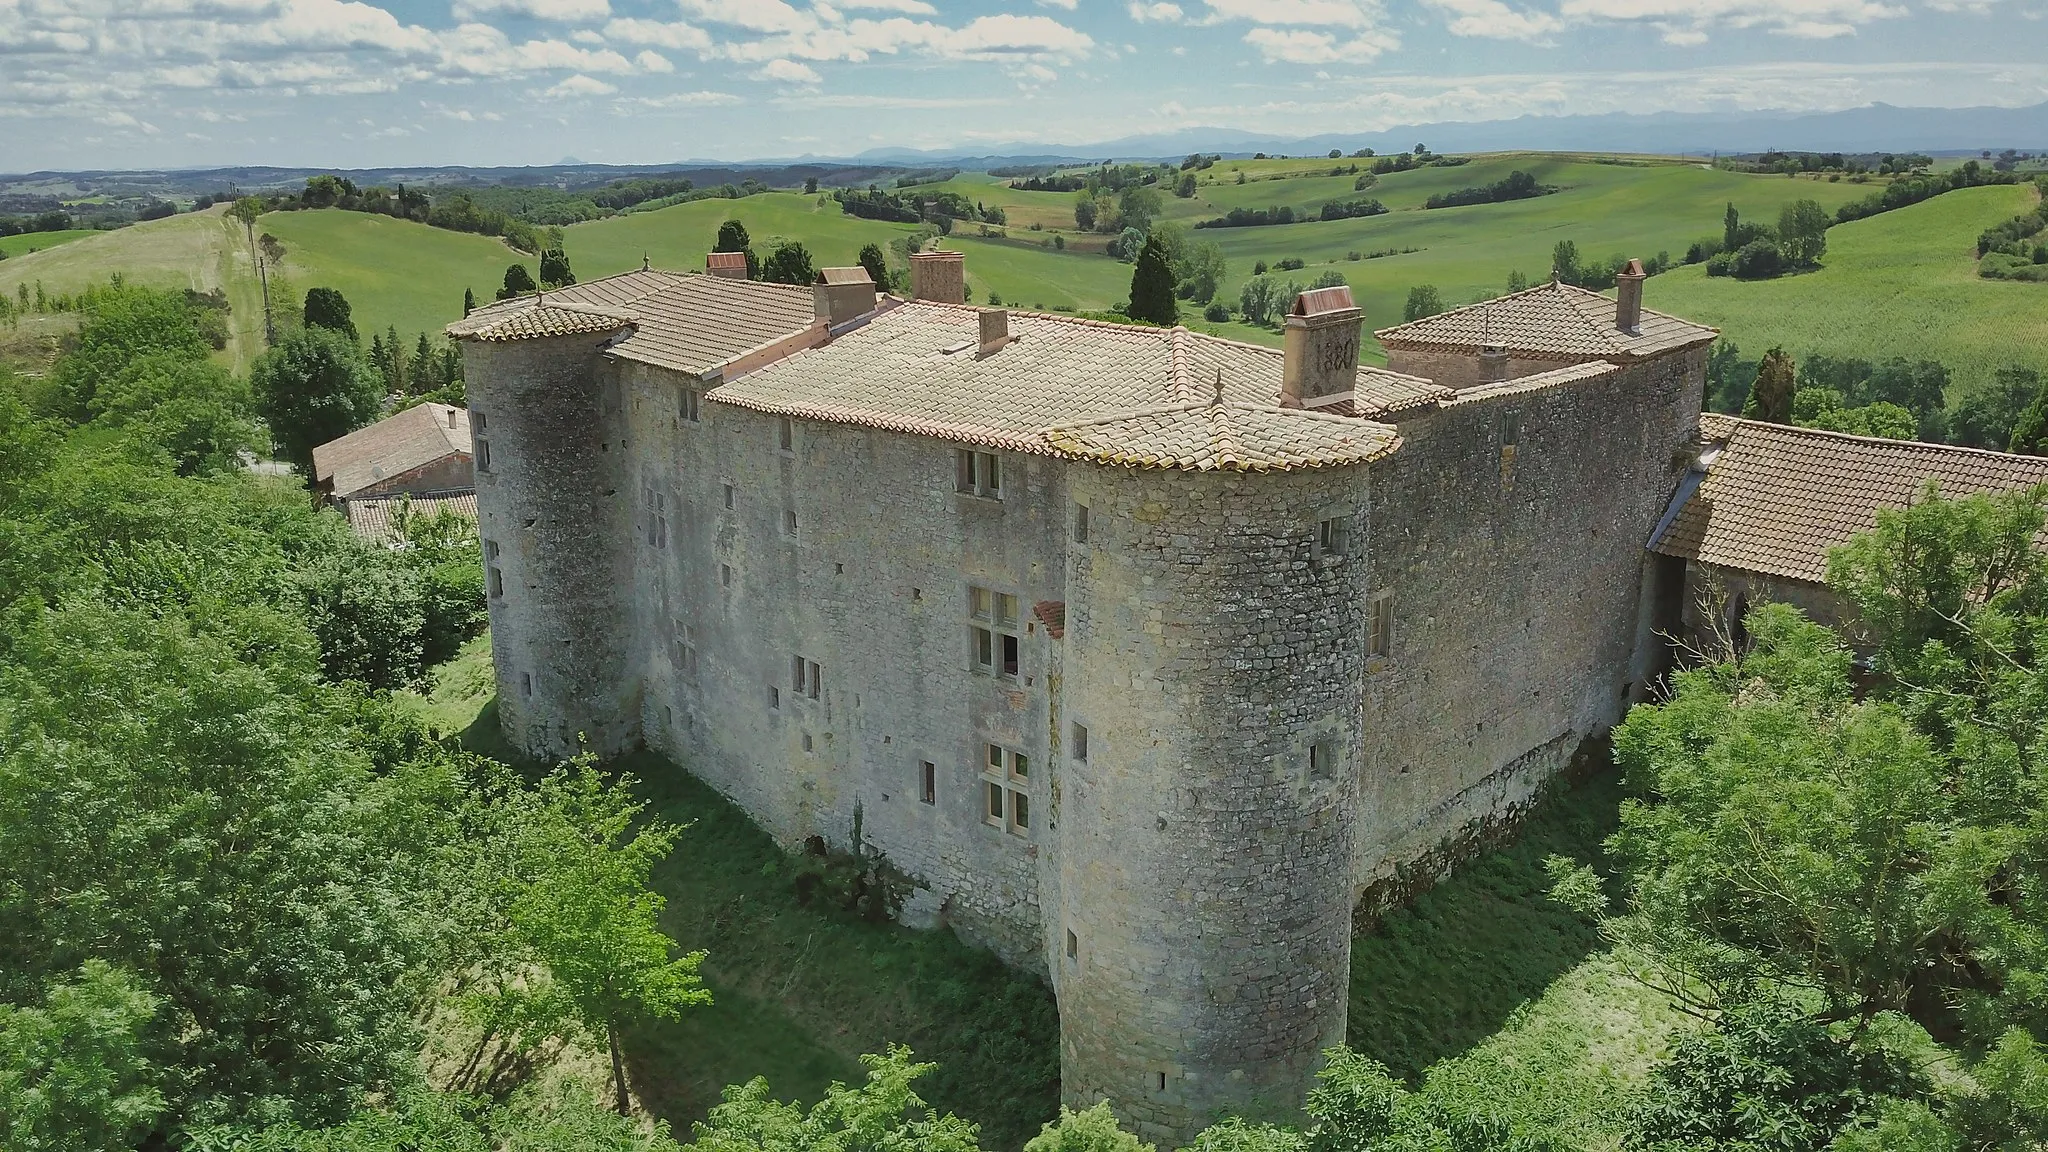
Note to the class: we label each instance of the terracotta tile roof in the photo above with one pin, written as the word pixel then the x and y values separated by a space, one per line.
pixel 373 517
pixel 1065 386
pixel 691 323
pixel 1547 321
pixel 853 275
pixel 391 447
pixel 1541 380
pixel 726 260
pixel 1052 614
pixel 1775 498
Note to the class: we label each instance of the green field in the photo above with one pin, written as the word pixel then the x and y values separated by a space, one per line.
pixel 1903 283
pixel 28 242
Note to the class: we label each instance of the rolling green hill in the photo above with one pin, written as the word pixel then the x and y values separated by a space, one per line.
pixel 37 241
pixel 1900 284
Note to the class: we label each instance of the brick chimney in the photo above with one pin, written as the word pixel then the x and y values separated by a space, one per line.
pixel 1628 297
pixel 731 265
pixel 842 294
pixel 995 329
pixel 1320 342
pixel 939 276
pixel 1493 364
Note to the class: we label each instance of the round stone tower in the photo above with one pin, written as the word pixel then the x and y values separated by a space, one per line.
pixel 1201 933
pixel 545 417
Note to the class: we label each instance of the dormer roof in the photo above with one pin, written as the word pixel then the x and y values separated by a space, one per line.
pixel 1548 322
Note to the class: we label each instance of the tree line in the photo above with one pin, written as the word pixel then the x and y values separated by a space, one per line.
pixel 1896 398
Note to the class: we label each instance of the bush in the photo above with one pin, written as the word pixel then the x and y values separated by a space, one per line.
pixel 1216 313
pixel 1289 265
pixel 1758 260
pixel 369 613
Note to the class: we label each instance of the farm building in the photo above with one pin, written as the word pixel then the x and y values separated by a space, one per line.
pixel 1144 655
pixel 425 448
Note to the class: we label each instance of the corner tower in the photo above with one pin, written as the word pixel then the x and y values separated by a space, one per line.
pixel 546 423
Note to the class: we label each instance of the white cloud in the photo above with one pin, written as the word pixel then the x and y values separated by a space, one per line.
pixel 580 85
pixel 1494 20
pixel 1160 11
pixel 913 7
pixel 1298 46
pixel 1315 13
pixel 753 15
pixel 681 100
pixel 1690 21
pixel 789 72
pixel 864 100
pixel 1067 5
pixel 658 34
pixel 565 11
pixel 651 61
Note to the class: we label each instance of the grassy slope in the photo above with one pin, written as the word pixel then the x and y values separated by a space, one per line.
pixel 1483 982
pixel 1900 284
pixel 22 245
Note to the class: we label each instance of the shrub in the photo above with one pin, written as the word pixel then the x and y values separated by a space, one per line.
pixel 1758 260
pixel 1217 312
pixel 1290 264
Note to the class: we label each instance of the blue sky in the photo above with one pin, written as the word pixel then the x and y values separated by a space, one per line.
pixel 136 83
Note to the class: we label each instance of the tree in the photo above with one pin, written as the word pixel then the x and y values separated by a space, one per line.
pixel 1084 210
pixel 193 411
pixel 1564 263
pixel 1770 397
pixel 468 301
pixel 1152 286
pixel 312 387
pixel 790 263
pixel 247 209
pixel 877 265
pixel 883 1113
pixel 554 269
pixel 1137 206
pixel 1803 232
pixel 72 1072
pixel 518 282
pixel 732 237
pixel 1517 282
pixel 1423 301
pixel 2030 427
pixel 1200 272
pixel 810 185
pixel 1089 1130
pixel 1185 186
pixel 1125 246
pixel 1731 229
pixel 592 919
pixel 328 308
pixel 119 327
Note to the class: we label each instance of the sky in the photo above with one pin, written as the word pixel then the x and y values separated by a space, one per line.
pixel 355 83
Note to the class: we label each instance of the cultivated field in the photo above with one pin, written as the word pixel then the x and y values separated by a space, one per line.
pixel 37 241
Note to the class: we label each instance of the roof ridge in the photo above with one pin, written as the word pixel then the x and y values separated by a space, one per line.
pixel 1742 422
pixel 1222 445
pixel 1177 362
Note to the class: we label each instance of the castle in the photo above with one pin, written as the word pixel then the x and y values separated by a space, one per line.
pixel 1142 652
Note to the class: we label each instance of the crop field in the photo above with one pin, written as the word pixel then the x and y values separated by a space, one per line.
pixel 1903 283
pixel 28 242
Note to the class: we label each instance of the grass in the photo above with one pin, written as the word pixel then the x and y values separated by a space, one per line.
pixel 27 242
pixel 801 991
pixel 1903 283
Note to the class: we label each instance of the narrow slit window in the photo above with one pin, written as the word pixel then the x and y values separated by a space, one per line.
pixel 774 696
pixel 796 674
pixel 1073 945
pixel 526 684
pixel 1080 523
pixel 785 434
pixel 1079 742
pixel 1380 626
pixel 789 522
pixel 729 495
pixel 814 683
pixel 689 406
pixel 725 575
pixel 483 453
pixel 928 776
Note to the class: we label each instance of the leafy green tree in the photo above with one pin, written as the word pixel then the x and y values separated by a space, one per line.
pixel 468 301
pixel 196 412
pixel 72 1073
pixel 1803 232
pixel 1126 245
pixel 328 308
pixel 2030 429
pixel 877 265
pixel 368 611
pixel 883 1113
pixel 732 237
pixel 1985 416
pixel 1731 229
pixel 1152 286
pixel 1200 272
pixel 1090 1130
pixel 518 282
pixel 789 263
pixel 1770 397
pixel 1423 301
pixel 314 386
pixel 554 268
pixel 592 919
pixel 120 326
pixel 1564 263
pixel 1517 282
pixel 1185 186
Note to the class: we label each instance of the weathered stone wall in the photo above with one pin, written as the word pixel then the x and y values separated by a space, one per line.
pixel 873 588
pixel 1518 622
pixel 1460 370
pixel 553 508
pixel 1202 865
pixel 1713 591
pixel 452 471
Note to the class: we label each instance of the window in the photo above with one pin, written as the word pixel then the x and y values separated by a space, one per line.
pixel 688 410
pixel 657 517
pixel 1510 440
pixel 807 742
pixel 1080 523
pixel 815 681
pixel 725 575
pixel 1073 946
pixel 481 448
pixel 928 777
pixel 686 651
pixel 785 434
pixel 1005 773
pixel 493 578
pixel 1079 742
pixel 729 494
pixel 1322 760
pixel 994 631
pixel 1379 625
pixel 1160 1081
pixel 977 473
pixel 1333 537
pixel 804 677
pixel 526 684
pixel 774 696
pixel 789 522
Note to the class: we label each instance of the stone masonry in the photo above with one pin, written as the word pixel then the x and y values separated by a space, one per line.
pixel 1142 653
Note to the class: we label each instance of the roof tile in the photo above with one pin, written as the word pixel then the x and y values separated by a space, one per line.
pixel 391 447
pixel 1549 320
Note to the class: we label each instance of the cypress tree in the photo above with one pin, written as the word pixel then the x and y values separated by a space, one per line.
pixel 878 268
pixel 1770 398
pixel 468 301
pixel 1152 286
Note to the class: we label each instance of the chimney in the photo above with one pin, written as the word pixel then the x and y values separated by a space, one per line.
pixel 1493 364
pixel 451 417
pixel 731 265
pixel 1628 298
pixel 842 294
pixel 1320 342
pixel 939 276
pixel 995 329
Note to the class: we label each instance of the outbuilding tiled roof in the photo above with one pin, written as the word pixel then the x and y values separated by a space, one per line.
pixel 690 323
pixel 392 446
pixel 1548 321
pixel 375 517
pixel 1775 498
pixel 1070 387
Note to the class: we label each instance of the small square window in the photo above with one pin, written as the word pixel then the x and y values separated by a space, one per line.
pixel 1009 667
pixel 1080 742
pixel 729 495
pixel 1006 610
pixel 978 600
pixel 995 758
pixel 1020 766
pixel 490 549
pixel 807 741
pixel 995 804
pixel 1020 813
pixel 495 581
pixel 1333 536
pixel 1080 523
pixel 476 421
pixel 928 776
pixel 785 434
pixel 977 473
pixel 482 454
pixel 789 522
pixel 1322 760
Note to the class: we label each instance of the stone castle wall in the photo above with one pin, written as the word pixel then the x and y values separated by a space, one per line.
pixel 552 523
pixel 1202 862
pixel 1461 370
